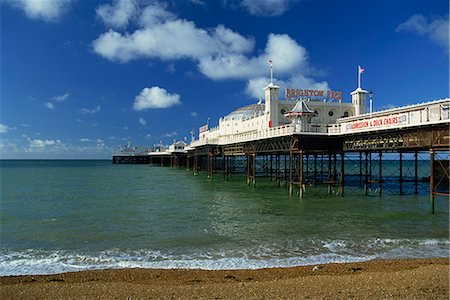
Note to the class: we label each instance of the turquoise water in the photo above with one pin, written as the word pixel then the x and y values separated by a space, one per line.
pixel 59 216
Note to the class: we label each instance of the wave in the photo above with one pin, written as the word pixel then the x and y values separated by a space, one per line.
pixel 37 261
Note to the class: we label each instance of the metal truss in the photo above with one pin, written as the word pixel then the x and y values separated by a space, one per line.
pixel 419 138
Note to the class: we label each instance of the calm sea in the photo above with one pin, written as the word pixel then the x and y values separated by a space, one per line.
pixel 59 216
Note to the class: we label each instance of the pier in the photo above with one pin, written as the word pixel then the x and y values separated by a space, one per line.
pixel 305 148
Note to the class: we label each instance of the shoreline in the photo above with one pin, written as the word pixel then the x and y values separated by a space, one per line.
pixel 375 279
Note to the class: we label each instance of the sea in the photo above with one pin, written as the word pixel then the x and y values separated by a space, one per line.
pixel 74 215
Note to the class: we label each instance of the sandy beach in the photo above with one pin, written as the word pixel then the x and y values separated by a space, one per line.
pixel 379 279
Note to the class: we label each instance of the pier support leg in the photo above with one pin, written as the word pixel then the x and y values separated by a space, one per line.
pixel 307 168
pixel 226 166
pixel 329 173
pixel 210 165
pixel 285 170
pixel 315 169
pixel 366 177
pixel 278 170
pixel 342 173
pixel 321 168
pixel 254 169
pixel 195 165
pixel 271 167
pixel 401 172
pixel 380 180
pixel 360 169
pixel 251 169
pixel 416 179
pixel 334 167
pixel 291 173
pixel 432 180
pixel 300 174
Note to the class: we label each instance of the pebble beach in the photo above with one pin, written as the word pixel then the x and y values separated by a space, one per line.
pixel 378 279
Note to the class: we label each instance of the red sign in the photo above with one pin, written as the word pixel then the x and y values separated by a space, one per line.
pixel 203 128
pixel 377 122
pixel 296 93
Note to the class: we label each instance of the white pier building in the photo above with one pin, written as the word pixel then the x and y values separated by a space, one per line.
pixel 297 114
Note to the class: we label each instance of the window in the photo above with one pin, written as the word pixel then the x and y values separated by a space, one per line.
pixel 345 114
pixel 330 113
pixel 283 111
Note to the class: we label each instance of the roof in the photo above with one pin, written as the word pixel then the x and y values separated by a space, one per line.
pixel 300 109
pixel 245 112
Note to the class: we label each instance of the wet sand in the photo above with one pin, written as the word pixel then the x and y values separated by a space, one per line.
pixel 378 279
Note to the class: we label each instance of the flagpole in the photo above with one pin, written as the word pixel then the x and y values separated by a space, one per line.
pixel 359 77
pixel 271 72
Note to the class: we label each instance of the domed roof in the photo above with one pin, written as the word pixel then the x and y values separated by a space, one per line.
pixel 245 112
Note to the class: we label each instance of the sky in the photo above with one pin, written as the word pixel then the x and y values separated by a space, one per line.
pixel 80 77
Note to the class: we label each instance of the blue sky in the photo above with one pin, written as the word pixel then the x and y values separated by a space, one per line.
pixel 80 77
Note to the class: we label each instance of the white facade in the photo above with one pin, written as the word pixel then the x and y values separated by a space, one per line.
pixel 269 115
pixel 276 118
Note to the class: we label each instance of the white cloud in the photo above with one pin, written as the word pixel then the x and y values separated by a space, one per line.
pixel 7 146
pixel 219 53
pixel 142 121
pixel 92 111
pixel 284 52
pixel 148 136
pixel 171 134
pixel 42 9
pixel 194 114
pixel 198 2
pixel 49 105
pixel 3 128
pixel 119 14
pixel 170 68
pixel 88 140
pixel 267 8
pixel 155 14
pixel 51 148
pixel 155 97
pixel 38 144
pixel 436 29
pixel 25 125
pixel 61 98
pixel 155 39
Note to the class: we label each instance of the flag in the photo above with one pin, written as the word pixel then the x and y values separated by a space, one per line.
pixel 360 69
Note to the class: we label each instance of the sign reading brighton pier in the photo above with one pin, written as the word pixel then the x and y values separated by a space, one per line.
pixel 296 93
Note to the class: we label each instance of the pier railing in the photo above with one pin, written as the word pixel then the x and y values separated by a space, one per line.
pixel 417 115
